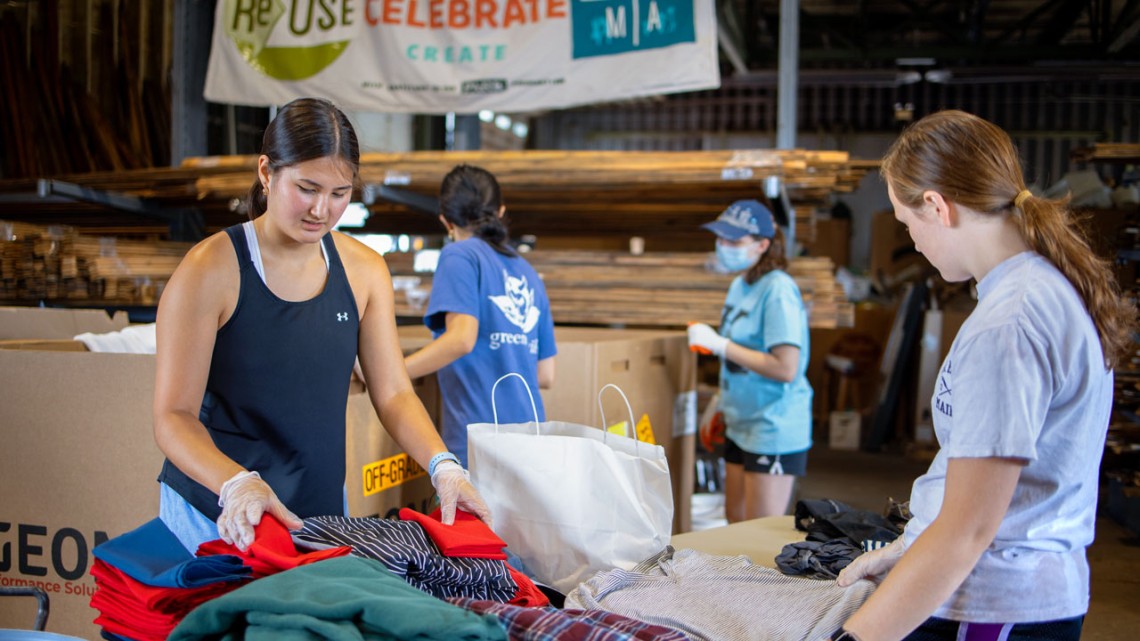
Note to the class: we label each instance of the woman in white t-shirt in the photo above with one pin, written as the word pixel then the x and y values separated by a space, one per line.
pixel 996 548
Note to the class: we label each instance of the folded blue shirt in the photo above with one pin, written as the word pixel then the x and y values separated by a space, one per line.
pixel 152 555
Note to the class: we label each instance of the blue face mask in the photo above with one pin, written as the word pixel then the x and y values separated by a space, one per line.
pixel 736 258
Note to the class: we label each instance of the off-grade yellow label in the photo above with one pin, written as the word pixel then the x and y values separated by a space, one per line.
pixel 390 472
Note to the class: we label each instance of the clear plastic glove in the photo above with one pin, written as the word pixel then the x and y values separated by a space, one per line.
pixel 703 337
pixel 244 499
pixel 453 485
pixel 872 565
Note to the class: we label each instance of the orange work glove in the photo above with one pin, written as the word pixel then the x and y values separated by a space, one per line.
pixel 712 432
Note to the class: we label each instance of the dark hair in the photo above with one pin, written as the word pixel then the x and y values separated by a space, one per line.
pixel 469 198
pixel 973 162
pixel 304 129
pixel 772 259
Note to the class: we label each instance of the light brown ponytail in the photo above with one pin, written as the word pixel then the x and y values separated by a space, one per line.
pixel 1049 227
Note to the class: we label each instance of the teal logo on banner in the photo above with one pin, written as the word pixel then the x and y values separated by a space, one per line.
pixel 608 27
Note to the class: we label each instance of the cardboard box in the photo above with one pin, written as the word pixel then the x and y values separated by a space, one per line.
pixel 832 239
pixel 51 323
pixel 45 345
pixel 872 321
pixel 380 477
pixel 79 465
pixel 844 430
pixel 655 370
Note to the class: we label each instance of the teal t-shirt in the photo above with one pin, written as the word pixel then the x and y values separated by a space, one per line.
pixel 761 415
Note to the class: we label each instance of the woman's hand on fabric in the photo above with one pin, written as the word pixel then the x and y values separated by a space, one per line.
pixel 244 499
pixel 455 490
pixel 872 565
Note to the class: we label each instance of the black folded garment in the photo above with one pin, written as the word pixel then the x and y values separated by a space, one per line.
pixel 816 560
pixel 828 520
pixel 808 510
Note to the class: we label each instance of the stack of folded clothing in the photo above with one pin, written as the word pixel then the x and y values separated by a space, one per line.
pixel 146 582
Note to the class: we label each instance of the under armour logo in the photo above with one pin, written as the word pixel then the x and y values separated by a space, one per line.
pixel 341 316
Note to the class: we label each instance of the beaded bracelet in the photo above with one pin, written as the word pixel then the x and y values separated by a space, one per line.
pixel 439 458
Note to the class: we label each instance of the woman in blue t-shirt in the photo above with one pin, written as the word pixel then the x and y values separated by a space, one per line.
pixel 765 397
pixel 488 313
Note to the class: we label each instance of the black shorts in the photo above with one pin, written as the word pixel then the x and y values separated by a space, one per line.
pixel 793 464
pixel 935 629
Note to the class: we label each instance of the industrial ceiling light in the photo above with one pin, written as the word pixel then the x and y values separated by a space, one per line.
pixel 938 76
pixel 907 78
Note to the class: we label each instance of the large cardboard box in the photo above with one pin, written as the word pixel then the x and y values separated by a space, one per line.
pixel 51 323
pixel 78 466
pixel 655 370
pixel 832 239
pixel 380 477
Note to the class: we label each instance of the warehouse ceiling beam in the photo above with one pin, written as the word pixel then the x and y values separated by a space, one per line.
pixel 1126 28
pixel 731 51
pixel 975 29
pixel 1061 22
pixel 186 224
pixel 1027 21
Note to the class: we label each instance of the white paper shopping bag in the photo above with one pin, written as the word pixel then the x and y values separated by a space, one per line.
pixel 571 500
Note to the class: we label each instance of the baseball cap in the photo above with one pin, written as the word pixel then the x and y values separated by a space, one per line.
pixel 742 218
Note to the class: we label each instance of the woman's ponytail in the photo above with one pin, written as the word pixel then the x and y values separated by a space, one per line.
pixel 469 198
pixel 1050 230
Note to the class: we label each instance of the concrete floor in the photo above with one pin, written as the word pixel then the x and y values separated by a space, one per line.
pixel 865 481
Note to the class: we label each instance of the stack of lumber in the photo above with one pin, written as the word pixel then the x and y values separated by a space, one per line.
pixel 1107 152
pixel 606 192
pixel 656 289
pixel 57 263
pixel 548 193
pixel 540 170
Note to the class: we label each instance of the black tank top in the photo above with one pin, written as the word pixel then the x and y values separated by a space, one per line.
pixel 278 388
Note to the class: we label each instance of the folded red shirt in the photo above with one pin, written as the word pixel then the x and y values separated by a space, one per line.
pixel 468 536
pixel 174 601
pixel 142 612
pixel 272 550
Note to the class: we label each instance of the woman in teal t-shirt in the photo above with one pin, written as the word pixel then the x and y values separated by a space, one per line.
pixel 763 346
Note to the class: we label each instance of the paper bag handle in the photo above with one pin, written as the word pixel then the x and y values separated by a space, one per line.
pixel 632 425
pixel 526 386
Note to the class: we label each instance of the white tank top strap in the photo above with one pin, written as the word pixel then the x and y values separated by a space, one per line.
pixel 255 250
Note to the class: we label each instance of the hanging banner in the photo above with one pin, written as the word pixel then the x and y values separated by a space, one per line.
pixel 438 56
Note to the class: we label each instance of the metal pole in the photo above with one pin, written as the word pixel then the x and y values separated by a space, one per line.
pixel 789 74
pixel 786 99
